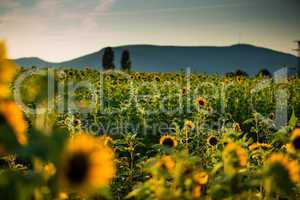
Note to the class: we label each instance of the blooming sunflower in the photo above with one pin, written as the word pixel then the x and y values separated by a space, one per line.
pixel 87 164
pixel 202 102
pixel 282 161
pixel 168 141
pixel 13 115
pixel 212 141
pixel 234 157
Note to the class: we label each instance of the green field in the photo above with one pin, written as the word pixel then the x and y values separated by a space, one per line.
pixel 116 135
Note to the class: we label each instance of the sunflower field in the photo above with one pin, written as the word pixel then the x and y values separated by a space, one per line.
pixel 89 134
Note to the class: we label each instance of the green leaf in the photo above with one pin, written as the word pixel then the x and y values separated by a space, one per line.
pixel 293 120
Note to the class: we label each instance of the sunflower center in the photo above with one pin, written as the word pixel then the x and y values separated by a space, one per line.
pixel 168 142
pixel 77 168
pixel 213 141
pixel 296 143
pixel 2 119
pixel 201 102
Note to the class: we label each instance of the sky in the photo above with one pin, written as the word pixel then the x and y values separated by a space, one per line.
pixel 59 30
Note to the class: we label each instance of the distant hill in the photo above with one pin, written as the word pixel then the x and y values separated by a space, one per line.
pixel 205 59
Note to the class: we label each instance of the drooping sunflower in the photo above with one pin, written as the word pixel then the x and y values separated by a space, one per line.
pixel 87 164
pixel 168 141
pixel 202 102
pixel 291 167
pixel 234 158
pixel 13 116
pixel 201 177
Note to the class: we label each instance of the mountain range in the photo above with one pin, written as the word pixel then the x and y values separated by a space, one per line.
pixel 204 59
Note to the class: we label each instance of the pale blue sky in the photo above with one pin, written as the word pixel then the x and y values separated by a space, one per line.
pixel 58 30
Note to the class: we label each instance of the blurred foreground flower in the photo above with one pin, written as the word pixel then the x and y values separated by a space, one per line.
pixel 281 174
pixel 13 116
pixel 234 158
pixel 88 164
pixel 8 71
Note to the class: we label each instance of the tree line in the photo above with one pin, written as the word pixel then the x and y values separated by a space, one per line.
pixel 108 60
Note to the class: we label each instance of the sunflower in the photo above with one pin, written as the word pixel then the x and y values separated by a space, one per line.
pixel 210 109
pixel 49 170
pixel 107 140
pixel 201 101
pixel 226 81
pixel 271 116
pixel 239 79
pixel 256 146
pixel 87 164
pixel 168 141
pixel 201 178
pixel 13 115
pixel 5 91
pixel 196 192
pixel 7 68
pixel 234 157
pixel 236 126
pixel 189 124
pixel 166 162
pixel 77 122
pixel 282 161
pixel 212 141
pixel 295 139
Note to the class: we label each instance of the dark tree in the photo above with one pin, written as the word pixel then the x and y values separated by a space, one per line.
pixel 125 61
pixel 241 73
pixel 264 72
pixel 108 59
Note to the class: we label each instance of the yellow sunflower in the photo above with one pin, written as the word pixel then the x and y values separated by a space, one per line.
pixel 234 158
pixel 212 141
pixel 13 115
pixel 189 124
pixel 196 192
pixel 49 170
pixel 202 102
pixel 168 141
pixel 166 162
pixel 201 177
pixel 291 166
pixel 256 146
pixel 8 71
pixel 87 164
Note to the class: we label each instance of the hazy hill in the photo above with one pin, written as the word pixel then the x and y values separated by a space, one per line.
pixel 173 58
